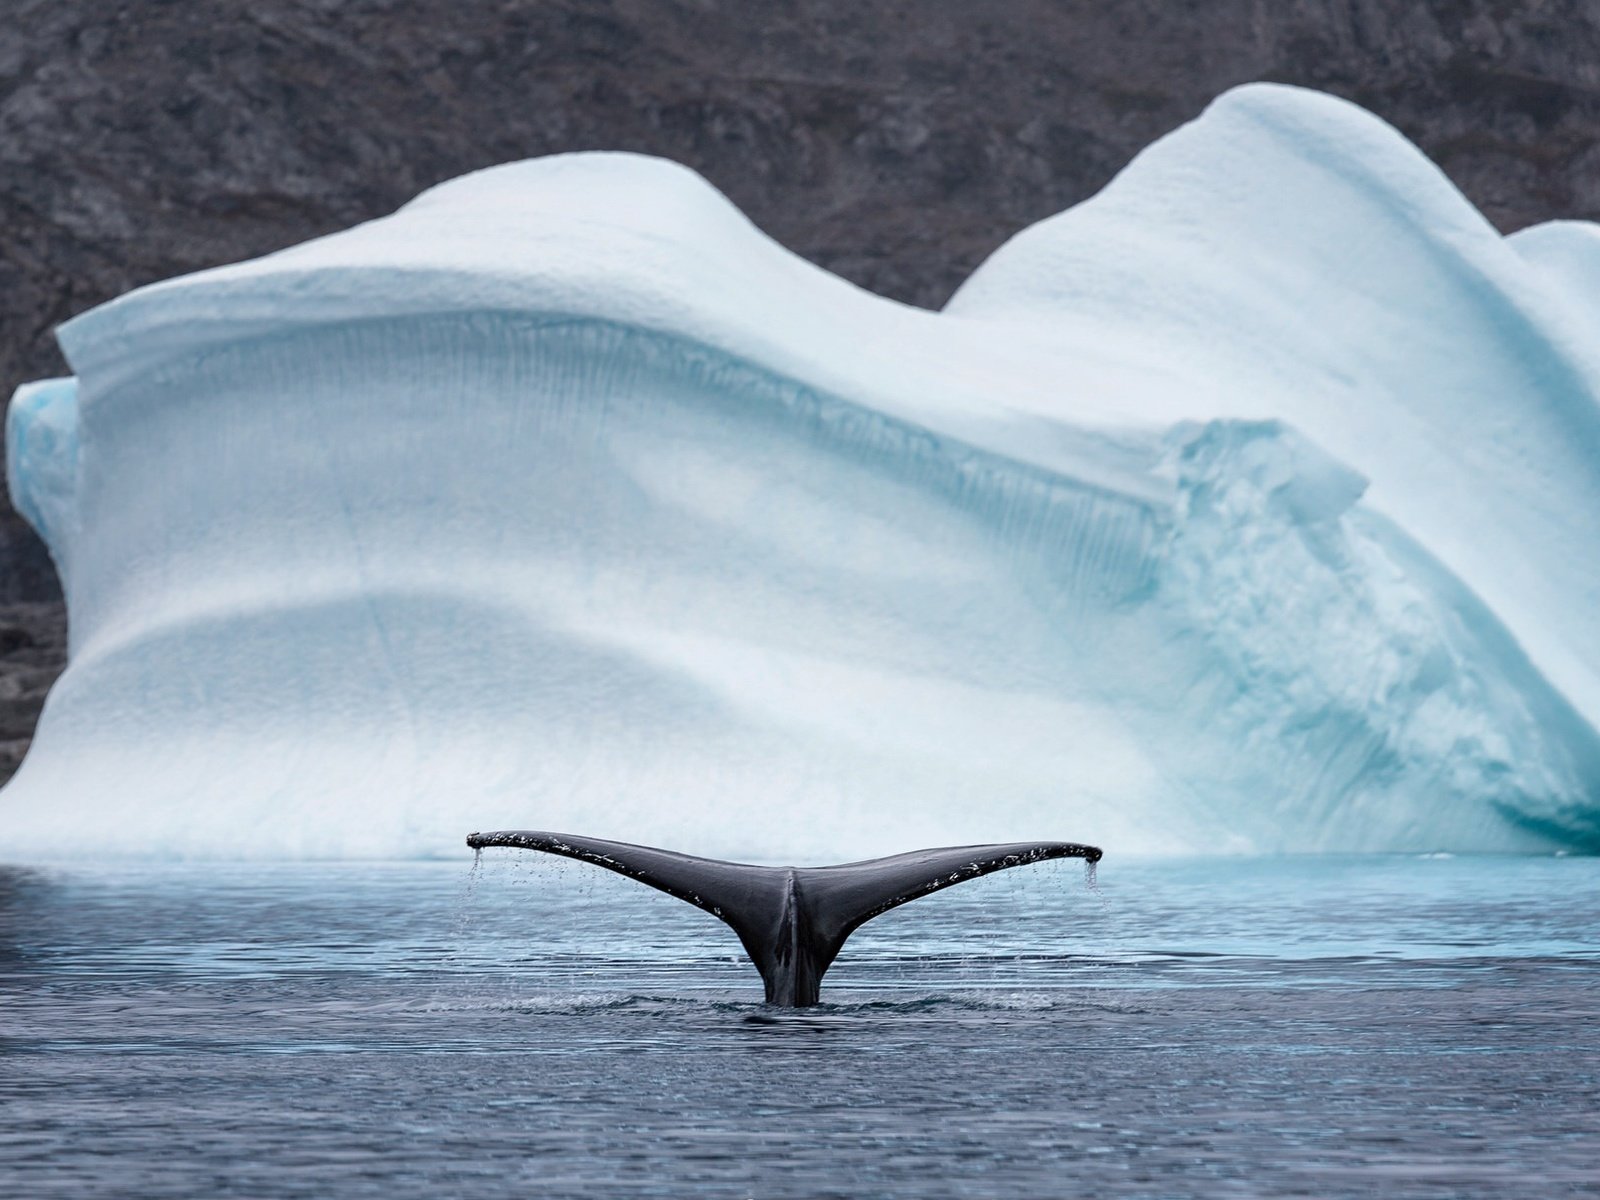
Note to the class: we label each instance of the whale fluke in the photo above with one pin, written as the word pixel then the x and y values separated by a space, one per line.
pixel 792 920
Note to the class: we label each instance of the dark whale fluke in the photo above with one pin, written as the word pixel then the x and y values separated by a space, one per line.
pixel 792 920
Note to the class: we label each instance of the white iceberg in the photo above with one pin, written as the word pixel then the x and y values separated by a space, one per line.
pixel 1251 506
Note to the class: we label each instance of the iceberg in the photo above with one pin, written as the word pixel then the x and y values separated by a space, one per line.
pixel 1251 506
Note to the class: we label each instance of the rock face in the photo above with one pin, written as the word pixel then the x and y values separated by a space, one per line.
pixel 33 645
pixel 895 142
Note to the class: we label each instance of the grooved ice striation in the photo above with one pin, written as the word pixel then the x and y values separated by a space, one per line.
pixel 1251 506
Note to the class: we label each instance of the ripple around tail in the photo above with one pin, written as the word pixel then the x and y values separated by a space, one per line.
pixel 566 1003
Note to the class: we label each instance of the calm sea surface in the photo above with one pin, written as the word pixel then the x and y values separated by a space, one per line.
pixel 1380 1026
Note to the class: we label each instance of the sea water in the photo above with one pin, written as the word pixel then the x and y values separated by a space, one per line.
pixel 1398 1025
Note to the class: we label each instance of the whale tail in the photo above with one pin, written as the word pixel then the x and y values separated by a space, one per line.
pixel 792 920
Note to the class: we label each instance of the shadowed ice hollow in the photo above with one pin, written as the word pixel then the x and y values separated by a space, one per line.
pixel 1251 506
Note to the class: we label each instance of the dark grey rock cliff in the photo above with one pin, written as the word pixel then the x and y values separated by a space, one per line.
pixel 896 142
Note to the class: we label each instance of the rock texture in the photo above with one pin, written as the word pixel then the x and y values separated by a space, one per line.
pixel 33 646
pixel 896 142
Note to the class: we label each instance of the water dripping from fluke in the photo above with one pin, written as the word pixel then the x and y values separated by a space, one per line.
pixel 469 891
pixel 1091 881
pixel 451 986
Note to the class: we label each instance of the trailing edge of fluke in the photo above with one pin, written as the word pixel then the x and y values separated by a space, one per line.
pixel 792 920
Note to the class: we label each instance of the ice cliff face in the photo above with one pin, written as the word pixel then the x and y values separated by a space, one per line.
pixel 1251 505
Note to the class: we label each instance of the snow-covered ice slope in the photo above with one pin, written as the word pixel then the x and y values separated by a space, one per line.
pixel 1252 505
